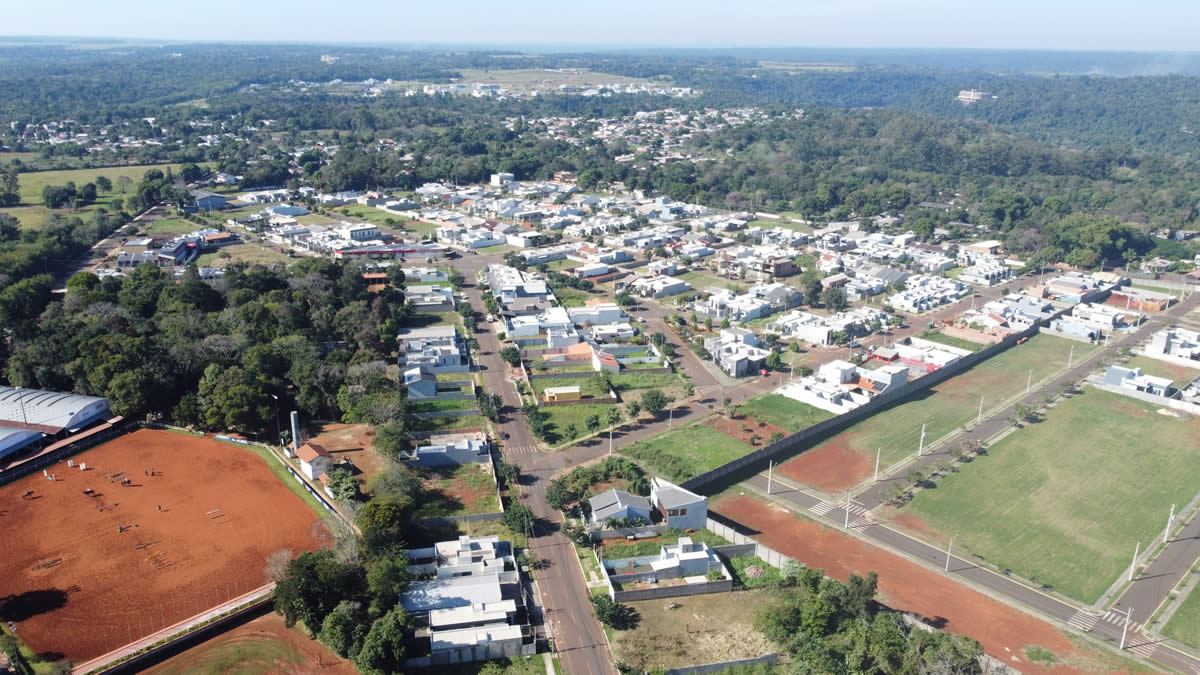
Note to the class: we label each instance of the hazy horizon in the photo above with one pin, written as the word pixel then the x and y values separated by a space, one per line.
pixel 1070 25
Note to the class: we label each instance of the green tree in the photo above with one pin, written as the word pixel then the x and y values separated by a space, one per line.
pixel 592 422
pixel 343 485
pixel 655 402
pixel 387 578
pixel 382 650
pixel 834 299
pixel 518 518
pixel 314 585
pixel 342 630
pixel 774 360
pixel 104 184
pixel 511 355
pixel 390 440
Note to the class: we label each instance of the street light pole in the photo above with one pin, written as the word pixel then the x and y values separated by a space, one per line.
pixel 1170 520
pixel 948 549
pixel 770 468
pixel 1137 547
pixel 1125 630
pixel 878 452
pixel 1029 381
pixel 921 447
pixel 278 434
pixel 979 418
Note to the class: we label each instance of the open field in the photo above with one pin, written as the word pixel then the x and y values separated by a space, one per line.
pixel 32 183
pixel 701 629
pixel 685 452
pixel 164 227
pixel 951 341
pixel 251 254
pixel 263 645
pixel 559 417
pixel 448 423
pixel 1003 631
pixel 849 457
pixel 1179 375
pixel 1062 501
pixel 67 566
pixel 588 386
pixel 574 297
pixel 702 279
pixel 782 412
pixel 457 491
pixel 1184 625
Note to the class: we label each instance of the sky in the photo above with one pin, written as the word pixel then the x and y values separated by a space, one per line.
pixel 1141 25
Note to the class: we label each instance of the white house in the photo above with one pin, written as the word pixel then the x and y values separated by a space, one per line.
pixel 314 460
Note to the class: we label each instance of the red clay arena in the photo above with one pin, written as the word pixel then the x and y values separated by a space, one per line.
pixel 82 575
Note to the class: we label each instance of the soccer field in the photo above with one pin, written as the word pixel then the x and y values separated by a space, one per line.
pixel 1062 502
pixel 942 409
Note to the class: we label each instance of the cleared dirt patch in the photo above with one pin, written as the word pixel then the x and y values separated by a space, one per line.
pixel 78 587
pixel 744 429
pixel 833 467
pixel 456 491
pixel 352 442
pixel 263 645
pixel 1003 631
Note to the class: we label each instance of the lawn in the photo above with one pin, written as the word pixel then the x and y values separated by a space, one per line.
pixel 629 381
pixel 768 575
pixel 588 386
pixel 694 630
pixel 572 297
pixel 1062 501
pixel 447 423
pixel 951 341
pixel 369 214
pixel 1179 375
pixel 1185 623
pixel 783 412
pixel 559 417
pixel 521 665
pixel 701 279
pixel 167 227
pixel 457 491
pixel 653 545
pixel 686 452
pixel 955 402
pixel 251 254
pixel 419 406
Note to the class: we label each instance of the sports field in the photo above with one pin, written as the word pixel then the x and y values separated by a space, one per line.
pixel 783 412
pixel 685 452
pixel 193 535
pixel 1063 501
pixel 849 457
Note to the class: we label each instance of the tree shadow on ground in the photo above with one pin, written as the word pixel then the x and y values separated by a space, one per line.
pixel 31 603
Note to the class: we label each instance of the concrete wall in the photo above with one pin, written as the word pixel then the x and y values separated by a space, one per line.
pixel 722 586
pixel 969 335
pixel 770 659
pixel 735 550
pixel 1171 403
pixel 802 440
pixel 581 375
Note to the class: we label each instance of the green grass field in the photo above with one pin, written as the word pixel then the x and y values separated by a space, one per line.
pixel 783 412
pixel 637 549
pixel 685 452
pixel 572 297
pixel 702 279
pixel 950 341
pixel 252 254
pixel 955 402
pixel 1063 501
pixel 588 387
pixel 32 183
pixel 1184 626
pixel 1179 375
pixel 168 227
pixel 559 417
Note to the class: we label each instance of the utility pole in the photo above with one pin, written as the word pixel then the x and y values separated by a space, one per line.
pixel 847 525
pixel 1170 520
pixel 979 417
pixel 1125 630
pixel 770 468
pixel 1029 381
pixel 878 452
pixel 1071 357
pixel 948 549
pixel 670 417
pixel 921 447
pixel 1137 547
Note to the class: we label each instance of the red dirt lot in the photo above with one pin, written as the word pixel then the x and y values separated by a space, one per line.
pixel 1003 631
pixel 352 442
pixel 834 466
pixel 75 586
pixel 733 428
pixel 263 645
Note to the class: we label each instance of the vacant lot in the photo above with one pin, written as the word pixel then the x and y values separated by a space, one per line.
pixel 1179 375
pixel 849 457
pixel 263 645
pixel 457 491
pixel 133 559
pixel 32 183
pixel 1185 624
pixel 683 453
pixel 1062 501
pixel 352 442
pixel 251 254
pixel 701 629
pixel 951 341
pixel 783 412
pixel 614 549
pixel 1003 631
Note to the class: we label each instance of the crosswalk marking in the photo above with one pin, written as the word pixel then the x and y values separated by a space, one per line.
pixel 1118 619
pixel 1083 621
pixel 1145 650
pixel 821 508
pixel 860 523
pixel 510 450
